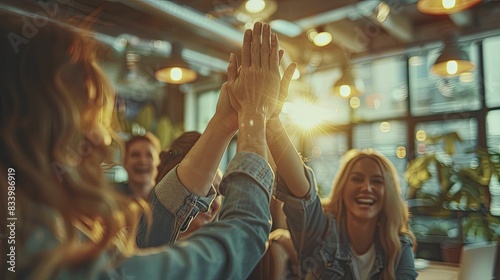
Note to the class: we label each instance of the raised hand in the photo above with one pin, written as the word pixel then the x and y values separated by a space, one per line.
pixel 254 87
pixel 284 85
pixel 224 112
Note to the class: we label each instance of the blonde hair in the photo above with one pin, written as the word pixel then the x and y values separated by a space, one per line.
pixel 393 220
pixel 56 118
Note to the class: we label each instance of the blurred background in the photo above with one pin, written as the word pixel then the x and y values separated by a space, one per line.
pixel 412 79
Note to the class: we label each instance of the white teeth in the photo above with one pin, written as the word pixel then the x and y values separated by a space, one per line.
pixel 365 201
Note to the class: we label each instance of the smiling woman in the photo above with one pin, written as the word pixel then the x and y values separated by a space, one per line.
pixel 361 231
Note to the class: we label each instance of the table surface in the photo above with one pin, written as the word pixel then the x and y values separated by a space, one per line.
pixel 439 271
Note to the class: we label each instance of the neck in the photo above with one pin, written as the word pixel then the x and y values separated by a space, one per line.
pixel 141 190
pixel 361 235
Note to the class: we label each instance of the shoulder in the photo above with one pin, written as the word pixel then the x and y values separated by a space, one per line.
pixel 405 240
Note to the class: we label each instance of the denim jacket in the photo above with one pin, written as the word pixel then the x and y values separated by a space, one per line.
pixel 322 244
pixel 227 249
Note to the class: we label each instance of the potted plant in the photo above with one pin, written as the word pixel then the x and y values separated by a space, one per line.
pixel 462 192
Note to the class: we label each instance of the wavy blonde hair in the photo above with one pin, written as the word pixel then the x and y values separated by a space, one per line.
pixel 56 108
pixel 393 220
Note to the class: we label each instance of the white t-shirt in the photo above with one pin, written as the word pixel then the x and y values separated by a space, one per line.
pixel 363 264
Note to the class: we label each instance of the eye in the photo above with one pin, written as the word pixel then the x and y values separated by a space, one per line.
pixel 134 154
pixel 377 181
pixel 357 178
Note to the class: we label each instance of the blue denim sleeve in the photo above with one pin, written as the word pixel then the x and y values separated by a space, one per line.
pixel 173 207
pixel 227 249
pixel 305 217
pixel 405 269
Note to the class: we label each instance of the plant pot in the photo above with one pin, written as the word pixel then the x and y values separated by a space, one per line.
pixel 450 252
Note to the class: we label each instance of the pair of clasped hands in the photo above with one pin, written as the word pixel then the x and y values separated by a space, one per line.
pixel 254 89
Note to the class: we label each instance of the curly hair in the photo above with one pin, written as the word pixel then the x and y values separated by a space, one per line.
pixel 393 220
pixel 56 114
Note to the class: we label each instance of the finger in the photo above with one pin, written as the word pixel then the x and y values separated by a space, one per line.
pixel 280 55
pixel 245 49
pixel 256 41
pixel 274 59
pixel 265 48
pixel 232 68
pixel 285 81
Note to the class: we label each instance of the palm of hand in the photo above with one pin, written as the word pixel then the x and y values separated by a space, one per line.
pixel 226 113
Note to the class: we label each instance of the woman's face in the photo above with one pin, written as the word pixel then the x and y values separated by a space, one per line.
pixel 363 194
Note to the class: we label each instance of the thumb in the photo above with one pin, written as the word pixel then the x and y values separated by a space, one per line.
pixel 285 81
pixel 232 68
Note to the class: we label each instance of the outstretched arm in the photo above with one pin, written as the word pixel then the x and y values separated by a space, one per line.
pixel 288 161
pixel 198 168
pixel 254 87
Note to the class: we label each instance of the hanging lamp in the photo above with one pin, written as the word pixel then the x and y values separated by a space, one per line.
pixel 452 60
pixel 346 85
pixel 445 7
pixel 176 70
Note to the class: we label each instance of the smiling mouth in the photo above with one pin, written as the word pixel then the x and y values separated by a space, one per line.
pixel 365 201
pixel 142 170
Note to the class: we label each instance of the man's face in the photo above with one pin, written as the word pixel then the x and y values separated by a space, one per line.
pixel 141 160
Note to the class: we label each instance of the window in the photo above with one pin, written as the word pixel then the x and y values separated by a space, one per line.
pixel 325 153
pixel 493 130
pixel 491 71
pixel 326 107
pixel 385 90
pixel 431 94
pixel 425 132
pixel 206 104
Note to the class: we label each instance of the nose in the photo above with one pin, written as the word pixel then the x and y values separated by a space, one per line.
pixel 367 185
pixel 143 159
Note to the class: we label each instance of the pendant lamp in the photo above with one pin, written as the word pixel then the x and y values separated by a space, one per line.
pixel 445 7
pixel 176 70
pixel 452 61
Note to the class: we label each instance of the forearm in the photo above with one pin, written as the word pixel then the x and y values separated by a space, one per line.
pixel 252 133
pixel 238 240
pixel 287 159
pixel 197 169
pixel 172 209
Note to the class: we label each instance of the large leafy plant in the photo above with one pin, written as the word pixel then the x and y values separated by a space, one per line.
pixel 461 190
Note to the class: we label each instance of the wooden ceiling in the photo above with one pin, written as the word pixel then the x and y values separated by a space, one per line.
pixel 213 28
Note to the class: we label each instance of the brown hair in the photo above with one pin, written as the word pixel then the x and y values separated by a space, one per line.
pixel 56 118
pixel 177 151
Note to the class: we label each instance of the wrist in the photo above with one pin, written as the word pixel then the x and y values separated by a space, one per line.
pixel 274 124
pixel 252 133
pixel 222 126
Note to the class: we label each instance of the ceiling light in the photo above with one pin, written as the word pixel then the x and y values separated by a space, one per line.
pixel 452 61
pixel 319 36
pixel 255 6
pixel 383 11
pixel 255 10
pixel 346 86
pixel 176 70
pixel 322 39
pixel 445 7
